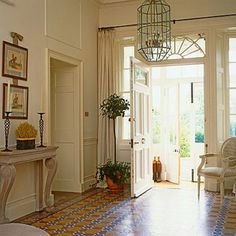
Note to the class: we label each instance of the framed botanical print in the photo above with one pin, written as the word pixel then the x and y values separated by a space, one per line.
pixel 15 100
pixel 14 61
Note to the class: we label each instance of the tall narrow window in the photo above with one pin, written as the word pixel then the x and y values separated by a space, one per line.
pixel 232 86
pixel 128 51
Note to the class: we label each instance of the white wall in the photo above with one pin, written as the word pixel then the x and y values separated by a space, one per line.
pixel 27 19
pixel 71 29
pixel 82 32
pixel 126 13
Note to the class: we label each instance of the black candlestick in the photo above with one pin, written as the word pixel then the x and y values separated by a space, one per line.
pixel 41 127
pixel 7 129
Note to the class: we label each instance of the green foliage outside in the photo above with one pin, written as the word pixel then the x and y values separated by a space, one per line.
pixel 184 146
pixel 184 138
pixel 233 129
pixel 156 128
pixel 199 137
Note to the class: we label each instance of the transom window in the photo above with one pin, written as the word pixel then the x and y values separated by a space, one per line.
pixel 128 51
pixel 192 46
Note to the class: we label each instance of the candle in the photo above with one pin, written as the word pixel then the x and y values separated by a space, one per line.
pixel 41 100
pixel 8 95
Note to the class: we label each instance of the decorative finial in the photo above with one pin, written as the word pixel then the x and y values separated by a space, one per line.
pixel 16 37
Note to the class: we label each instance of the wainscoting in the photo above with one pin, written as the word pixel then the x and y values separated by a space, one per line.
pixel 89 163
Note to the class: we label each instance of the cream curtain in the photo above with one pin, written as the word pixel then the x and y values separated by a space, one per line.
pixel 107 85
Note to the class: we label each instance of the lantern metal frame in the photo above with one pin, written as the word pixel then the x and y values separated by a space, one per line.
pixel 154 30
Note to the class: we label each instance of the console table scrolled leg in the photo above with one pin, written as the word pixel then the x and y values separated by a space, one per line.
pixel 7 174
pixel 51 165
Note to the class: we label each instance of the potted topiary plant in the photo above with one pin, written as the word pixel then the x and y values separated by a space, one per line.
pixel 113 107
pixel 25 136
pixel 117 174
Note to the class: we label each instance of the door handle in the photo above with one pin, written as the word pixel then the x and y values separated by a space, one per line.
pixel 131 119
pixel 176 150
pixel 143 140
pixel 134 142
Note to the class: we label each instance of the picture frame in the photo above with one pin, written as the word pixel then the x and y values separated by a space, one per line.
pixel 15 99
pixel 14 61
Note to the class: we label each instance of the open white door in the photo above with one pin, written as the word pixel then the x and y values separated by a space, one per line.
pixel 172 133
pixel 140 109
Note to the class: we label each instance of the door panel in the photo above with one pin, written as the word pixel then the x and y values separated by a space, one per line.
pixel 141 160
pixel 63 128
pixel 172 127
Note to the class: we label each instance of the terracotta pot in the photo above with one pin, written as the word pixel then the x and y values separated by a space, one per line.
pixel 113 187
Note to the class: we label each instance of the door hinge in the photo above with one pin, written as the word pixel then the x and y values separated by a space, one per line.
pixel 132 143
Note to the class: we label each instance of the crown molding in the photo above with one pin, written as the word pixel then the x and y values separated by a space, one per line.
pixel 113 2
pixel 8 2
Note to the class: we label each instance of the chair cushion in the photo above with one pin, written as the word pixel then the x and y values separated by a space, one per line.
pixel 216 172
pixel 16 229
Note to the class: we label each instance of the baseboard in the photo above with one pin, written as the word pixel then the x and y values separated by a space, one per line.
pixel 66 186
pixel 89 182
pixel 214 186
pixel 21 207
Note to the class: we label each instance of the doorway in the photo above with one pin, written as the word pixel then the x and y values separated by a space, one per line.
pixel 178 120
pixel 66 126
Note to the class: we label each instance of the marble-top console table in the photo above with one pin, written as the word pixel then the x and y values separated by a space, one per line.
pixel 8 161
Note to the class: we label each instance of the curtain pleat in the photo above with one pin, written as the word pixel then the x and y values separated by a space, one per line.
pixel 107 85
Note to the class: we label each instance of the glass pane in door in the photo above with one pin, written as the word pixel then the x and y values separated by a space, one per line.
pixel 184 119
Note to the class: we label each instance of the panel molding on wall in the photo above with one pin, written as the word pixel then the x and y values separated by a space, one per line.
pixel 56 13
pixel 90 162
pixel 21 207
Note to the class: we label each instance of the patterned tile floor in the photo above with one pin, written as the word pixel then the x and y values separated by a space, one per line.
pixel 162 211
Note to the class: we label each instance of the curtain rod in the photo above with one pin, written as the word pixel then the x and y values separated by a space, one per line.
pixel 173 21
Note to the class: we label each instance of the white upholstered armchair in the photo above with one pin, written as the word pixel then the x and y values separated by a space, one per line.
pixel 227 171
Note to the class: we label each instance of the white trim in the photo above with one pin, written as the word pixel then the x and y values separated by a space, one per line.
pixel 226 66
pixel 10 3
pixel 227 87
pixel 89 182
pixel 90 141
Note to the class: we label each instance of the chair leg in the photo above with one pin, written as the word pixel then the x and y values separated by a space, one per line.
pixel 222 189
pixel 198 187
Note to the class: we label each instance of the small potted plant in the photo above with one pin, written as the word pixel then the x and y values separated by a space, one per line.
pixel 117 174
pixel 25 136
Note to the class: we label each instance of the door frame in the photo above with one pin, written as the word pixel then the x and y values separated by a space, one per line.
pixel 78 115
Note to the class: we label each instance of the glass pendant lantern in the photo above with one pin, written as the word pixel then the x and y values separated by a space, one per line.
pixel 154 30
